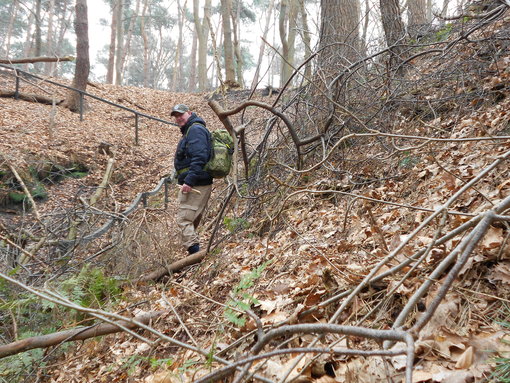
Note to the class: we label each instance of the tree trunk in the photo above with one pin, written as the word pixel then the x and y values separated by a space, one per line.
pixel 127 45
pixel 38 33
pixel 339 36
pixel 269 13
pixel 236 17
pixel 306 37
pixel 417 18
pixel 203 28
pixel 176 75
pixel 393 30
pixel 363 39
pixel 27 47
pixel 64 20
pixel 120 42
pixel 192 84
pixel 228 47
pixel 111 52
pixel 145 45
pixel 7 38
pixel 49 38
pixel 81 72
pixel 287 27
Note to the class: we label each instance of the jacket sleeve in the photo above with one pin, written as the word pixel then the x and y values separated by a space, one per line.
pixel 198 151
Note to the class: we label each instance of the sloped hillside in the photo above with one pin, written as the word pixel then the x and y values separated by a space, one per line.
pixel 398 229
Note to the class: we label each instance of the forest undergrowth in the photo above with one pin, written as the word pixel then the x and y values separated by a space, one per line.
pixel 377 247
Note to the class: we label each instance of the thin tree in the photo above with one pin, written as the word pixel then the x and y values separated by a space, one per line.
pixel 192 83
pixel 287 27
pixel 393 30
pixel 49 36
pixel 306 36
pixel 228 46
pixel 38 33
pixel 110 68
pixel 269 13
pixel 236 28
pixel 127 45
pixel 202 31
pixel 82 69
pixel 120 43
pixel 177 70
pixel 10 28
pixel 145 38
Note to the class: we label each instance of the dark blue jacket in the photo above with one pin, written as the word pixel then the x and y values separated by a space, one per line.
pixel 192 153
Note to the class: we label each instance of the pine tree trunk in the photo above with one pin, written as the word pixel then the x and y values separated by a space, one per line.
pixel 7 38
pixel 110 69
pixel 120 42
pixel 127 45
pixel 63 21
pixel 49 38
pixel 81 73
pixel 145 46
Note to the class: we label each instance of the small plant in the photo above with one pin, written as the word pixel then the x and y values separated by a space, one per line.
pixel 444 32
pixel 241 298
pixel 235 224
pixel 409 161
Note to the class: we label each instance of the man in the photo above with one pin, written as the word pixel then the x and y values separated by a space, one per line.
pixel 192 153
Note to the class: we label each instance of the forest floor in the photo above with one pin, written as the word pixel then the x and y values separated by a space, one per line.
pixel 324 246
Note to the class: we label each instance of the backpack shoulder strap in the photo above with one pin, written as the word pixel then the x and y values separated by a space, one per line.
pixel 198 124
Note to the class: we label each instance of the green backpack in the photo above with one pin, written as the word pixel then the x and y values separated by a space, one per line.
pixel 222 151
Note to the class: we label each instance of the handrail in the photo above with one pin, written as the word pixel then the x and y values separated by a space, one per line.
pixel 82 95
pixel 140 197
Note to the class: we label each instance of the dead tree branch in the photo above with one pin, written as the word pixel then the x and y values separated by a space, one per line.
pixel 29 60
pixel 49 340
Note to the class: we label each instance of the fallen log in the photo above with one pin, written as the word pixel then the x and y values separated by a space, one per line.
pixel 82 333
pixel 176 266
pixel 40 59
pixel 30 97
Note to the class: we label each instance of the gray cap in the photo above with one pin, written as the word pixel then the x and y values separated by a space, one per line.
pixel 179 108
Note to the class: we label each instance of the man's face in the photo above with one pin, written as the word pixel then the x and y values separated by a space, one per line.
pixel 181 118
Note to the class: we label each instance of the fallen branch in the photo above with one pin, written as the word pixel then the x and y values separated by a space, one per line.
pixel 176 266
pixel 44 341
pixel 29 60
pixel 29 97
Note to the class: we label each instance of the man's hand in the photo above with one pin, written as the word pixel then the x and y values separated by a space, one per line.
pixel 185 188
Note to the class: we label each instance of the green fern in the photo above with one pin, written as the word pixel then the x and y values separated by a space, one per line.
pixel 241 298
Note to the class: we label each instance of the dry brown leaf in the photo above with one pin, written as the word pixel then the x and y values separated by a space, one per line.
pixel 421 376
pixel 501 272
pixel 493 238
pixel 466 359
pixel 161 377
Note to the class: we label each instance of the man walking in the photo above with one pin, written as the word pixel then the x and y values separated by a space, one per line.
pixel 192 153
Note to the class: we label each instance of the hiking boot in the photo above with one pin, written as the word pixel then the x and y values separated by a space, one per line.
pixel 195 248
